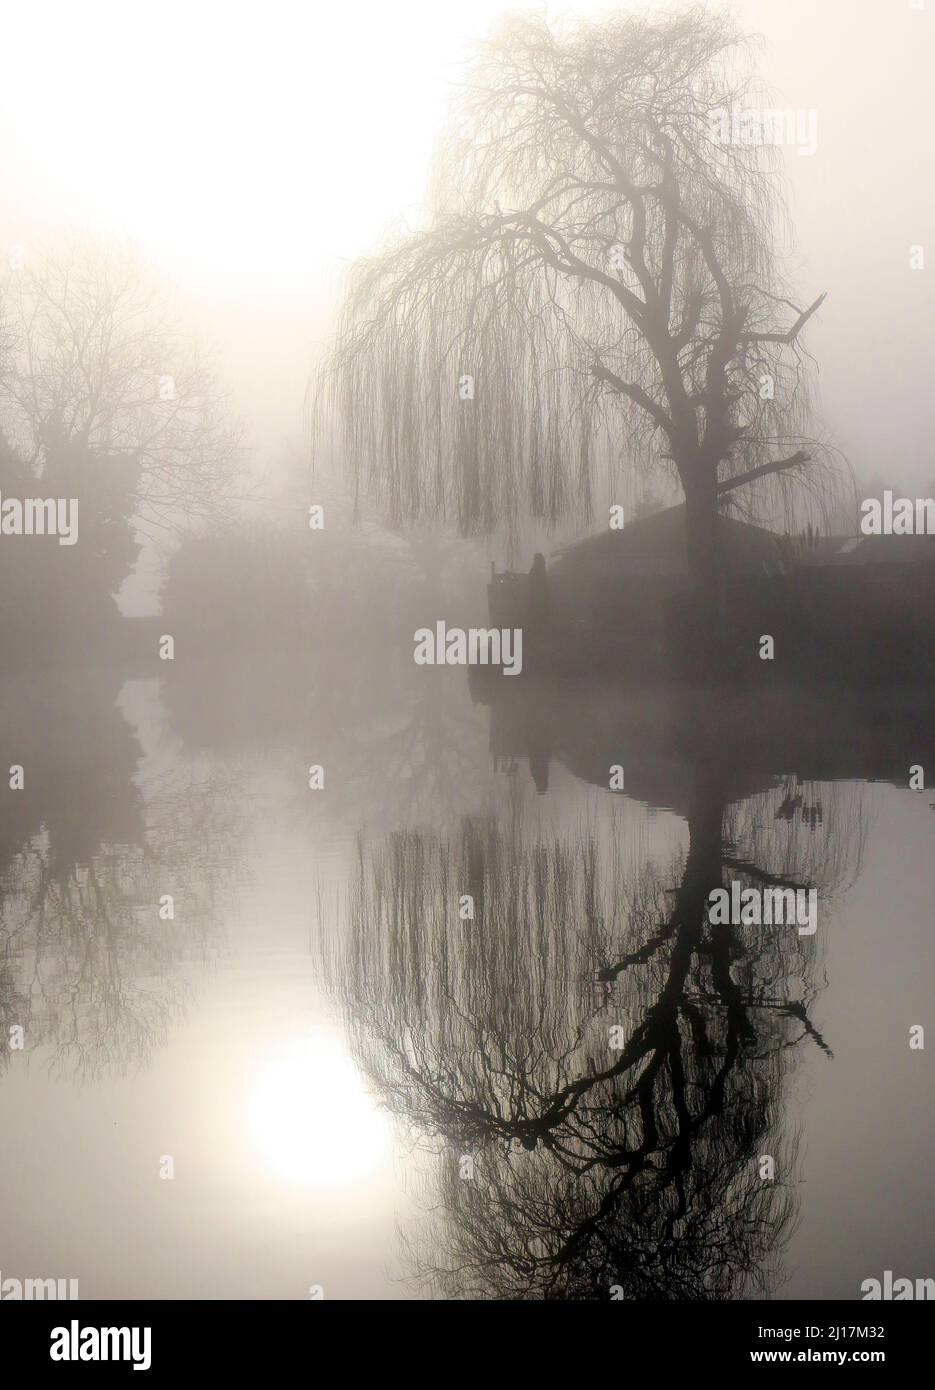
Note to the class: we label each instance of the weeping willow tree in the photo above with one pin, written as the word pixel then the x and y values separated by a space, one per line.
pixel 597 283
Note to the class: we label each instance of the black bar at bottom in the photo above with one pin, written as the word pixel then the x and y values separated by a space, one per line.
pixel 244 1338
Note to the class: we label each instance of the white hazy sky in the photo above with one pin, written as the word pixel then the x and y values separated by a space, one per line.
pixel 255 148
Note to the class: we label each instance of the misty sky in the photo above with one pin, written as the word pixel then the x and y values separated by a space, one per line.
pixel 254 150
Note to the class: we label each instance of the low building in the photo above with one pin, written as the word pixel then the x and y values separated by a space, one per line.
pixel 836 606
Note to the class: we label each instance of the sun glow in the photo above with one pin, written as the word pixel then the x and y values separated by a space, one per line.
pixel 247 142
pixel 311 1119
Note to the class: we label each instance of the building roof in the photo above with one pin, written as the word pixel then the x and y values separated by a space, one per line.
pixel 872 550
pixel 656 545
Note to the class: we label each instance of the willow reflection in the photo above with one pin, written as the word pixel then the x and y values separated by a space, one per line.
pixel 609 1061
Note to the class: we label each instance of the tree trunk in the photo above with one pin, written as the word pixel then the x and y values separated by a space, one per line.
pixel 706 630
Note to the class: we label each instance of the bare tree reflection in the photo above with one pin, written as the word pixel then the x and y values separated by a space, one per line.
pixel 91 962
pixel 600 1158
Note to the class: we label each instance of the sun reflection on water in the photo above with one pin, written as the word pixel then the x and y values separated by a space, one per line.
pixel 311 1118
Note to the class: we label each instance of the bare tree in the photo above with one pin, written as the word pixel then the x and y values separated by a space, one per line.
pixel 97 359
pixel 606 271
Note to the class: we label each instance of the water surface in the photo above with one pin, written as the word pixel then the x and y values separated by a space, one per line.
pixel 362 1088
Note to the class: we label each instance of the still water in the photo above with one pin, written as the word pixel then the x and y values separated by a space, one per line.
pixel 270 1053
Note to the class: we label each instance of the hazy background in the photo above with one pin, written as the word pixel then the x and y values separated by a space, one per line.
pixel 253 152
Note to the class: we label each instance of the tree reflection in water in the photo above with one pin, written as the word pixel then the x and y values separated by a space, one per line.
pixel 89 968
pixel 593 1165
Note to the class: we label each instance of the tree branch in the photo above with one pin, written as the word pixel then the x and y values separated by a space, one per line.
pixel 791 334
pixel 634 393
pixel 763 470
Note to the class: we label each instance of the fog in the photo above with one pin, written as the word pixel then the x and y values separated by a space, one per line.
pixel 254 157
pixel 435 560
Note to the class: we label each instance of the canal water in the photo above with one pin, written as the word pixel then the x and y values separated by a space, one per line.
pixel 456 1023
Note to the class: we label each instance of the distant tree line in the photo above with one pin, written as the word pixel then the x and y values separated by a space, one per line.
pixel 106 399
